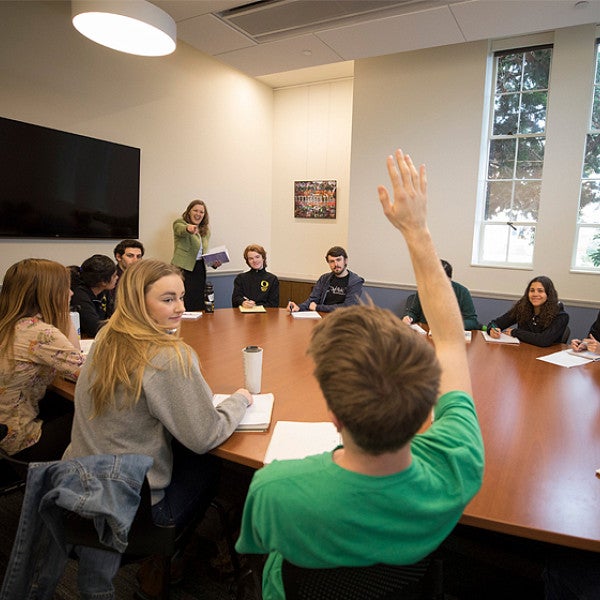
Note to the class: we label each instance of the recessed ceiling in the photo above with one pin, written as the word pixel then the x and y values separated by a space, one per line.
pixel 270 37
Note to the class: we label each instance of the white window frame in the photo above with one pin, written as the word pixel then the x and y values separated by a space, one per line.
pixel 579 226
pixel 514 44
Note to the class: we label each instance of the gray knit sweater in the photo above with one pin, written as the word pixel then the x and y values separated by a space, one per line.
pixel 170 406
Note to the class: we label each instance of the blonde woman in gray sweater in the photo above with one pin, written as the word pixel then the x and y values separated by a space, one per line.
pixel 142 392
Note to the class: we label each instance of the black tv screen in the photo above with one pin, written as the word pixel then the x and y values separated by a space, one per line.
pixel 55 184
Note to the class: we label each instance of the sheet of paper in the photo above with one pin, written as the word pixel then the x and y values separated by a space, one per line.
pixel 504 338
pixel 588 354
pixel 257 416
pixel 85 346
pixel 564 358
pixel 296 439
pixel 306 314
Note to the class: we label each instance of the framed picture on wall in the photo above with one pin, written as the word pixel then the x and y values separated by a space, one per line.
pixel 315 199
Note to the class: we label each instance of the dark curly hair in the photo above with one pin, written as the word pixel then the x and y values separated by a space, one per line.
pixel 522 310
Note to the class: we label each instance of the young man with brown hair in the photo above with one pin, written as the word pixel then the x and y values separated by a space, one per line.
pixel 387 495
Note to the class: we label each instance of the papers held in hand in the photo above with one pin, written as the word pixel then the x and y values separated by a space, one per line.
pixel 257 416
pixel 255 309
pixel 218 253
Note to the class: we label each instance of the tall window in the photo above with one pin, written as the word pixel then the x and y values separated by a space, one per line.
pixel 587 239
pixel 515 159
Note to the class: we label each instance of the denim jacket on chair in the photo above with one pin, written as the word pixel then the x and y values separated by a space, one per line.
pixel 103 487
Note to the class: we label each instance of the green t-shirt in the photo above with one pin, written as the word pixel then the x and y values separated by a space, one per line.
pixel 317 514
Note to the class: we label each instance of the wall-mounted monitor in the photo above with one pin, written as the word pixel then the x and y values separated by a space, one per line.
pixel 55 184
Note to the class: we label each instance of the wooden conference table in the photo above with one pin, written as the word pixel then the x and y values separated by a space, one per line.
pixel 540 422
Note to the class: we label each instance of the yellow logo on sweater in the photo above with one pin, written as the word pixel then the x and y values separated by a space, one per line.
pixel 264 286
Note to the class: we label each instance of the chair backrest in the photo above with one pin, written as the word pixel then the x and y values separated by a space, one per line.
pixel 566 335
pixel 376 582
pixel 145 537
pixel 408 304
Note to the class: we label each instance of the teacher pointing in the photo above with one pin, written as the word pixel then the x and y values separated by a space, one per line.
pixel 191 235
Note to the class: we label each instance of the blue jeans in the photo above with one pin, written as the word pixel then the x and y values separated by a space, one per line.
pixel 104 488
pixel 194 483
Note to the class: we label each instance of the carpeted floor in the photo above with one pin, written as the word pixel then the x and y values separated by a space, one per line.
pixel 207 574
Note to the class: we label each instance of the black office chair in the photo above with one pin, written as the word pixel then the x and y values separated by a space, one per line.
pixel 420 581
pixel 11 480
pixel 566 335
pixel 408 304
pixel 145 537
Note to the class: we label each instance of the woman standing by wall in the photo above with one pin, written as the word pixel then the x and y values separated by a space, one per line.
pixel 191 235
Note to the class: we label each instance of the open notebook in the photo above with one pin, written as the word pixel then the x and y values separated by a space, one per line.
pixel 296 439
pixel 258 416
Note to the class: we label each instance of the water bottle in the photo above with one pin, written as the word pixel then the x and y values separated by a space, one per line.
pixel 209 298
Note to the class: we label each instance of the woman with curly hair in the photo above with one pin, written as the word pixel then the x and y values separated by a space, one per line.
pixel 539 317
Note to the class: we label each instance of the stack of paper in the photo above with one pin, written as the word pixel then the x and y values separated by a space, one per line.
pixel 191 315
pixel 292 439
pixel 258 415
pixel 306 314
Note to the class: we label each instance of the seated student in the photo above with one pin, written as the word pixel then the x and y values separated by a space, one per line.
pixel 341 287
pixel 414 312
pixel 37 341
pixel 256 287
pixel 591 342
pixel 127 253
pixel 92 284
pixel 141 392
pixel 387 495
pixel 540 318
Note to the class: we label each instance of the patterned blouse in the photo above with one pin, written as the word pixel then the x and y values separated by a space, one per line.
pixel 40 351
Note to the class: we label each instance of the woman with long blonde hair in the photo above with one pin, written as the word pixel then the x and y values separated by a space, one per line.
pixel 141 391
pixel 37 341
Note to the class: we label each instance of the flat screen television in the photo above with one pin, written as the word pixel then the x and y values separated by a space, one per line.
pixel 55 184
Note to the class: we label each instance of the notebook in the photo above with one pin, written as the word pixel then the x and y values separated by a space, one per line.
pixel 295 439
pixel 306 314
pixel 585 354
pixel 504 338
pixel 189 315
pixel 254 309
pixel 257 416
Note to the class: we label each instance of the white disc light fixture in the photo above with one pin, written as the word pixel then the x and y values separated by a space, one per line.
pixel 132 26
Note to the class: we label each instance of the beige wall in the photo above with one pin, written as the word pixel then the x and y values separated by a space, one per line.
pixel 207 131
pixel 204 129
pixel 312 136
pixel 431 103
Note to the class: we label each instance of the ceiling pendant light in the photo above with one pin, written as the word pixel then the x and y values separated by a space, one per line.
pixel 132 26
